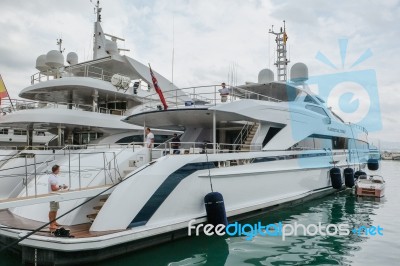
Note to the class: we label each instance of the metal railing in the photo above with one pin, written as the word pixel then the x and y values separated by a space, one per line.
pixel 201 148
pixel 17 104
pixel 363 129
pixel 199 96
pixel 79 70
pixel 244 133
pixel 39 168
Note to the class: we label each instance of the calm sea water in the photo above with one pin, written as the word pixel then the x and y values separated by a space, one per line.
pixel 342 207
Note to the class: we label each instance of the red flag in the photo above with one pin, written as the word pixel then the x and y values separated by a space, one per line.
pixel 158 89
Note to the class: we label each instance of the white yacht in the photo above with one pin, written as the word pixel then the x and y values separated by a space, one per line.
pixel 74 105
pixel 266 144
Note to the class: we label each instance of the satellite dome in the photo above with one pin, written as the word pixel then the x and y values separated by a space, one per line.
pixel 111 47
pixel 54 59
pixel 299 72
pixel 41 63
pixel 265 76
pixel 72 58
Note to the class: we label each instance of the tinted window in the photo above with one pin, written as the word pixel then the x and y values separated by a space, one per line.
pixel 339 143
pixel 309 99
pixel 317 109
pixel 139 138
pixel 271 133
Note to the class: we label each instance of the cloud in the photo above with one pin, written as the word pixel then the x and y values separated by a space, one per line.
pixel 209 37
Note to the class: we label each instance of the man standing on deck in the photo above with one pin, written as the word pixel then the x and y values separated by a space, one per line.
pixel 175 143
pixel 224 92
pixel 53 186
pixel 149 138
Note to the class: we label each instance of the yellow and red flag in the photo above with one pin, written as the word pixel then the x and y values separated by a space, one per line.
pixel 3 90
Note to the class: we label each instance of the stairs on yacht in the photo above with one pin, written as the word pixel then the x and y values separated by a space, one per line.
pixel 96 209
pixel 246 145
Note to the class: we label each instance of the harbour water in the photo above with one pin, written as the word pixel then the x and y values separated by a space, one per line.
pixel 342 207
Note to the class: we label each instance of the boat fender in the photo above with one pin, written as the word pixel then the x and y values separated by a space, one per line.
pixel 336 178
pixel 349 177
pixel 215 209
pixel 373 164
pixel 357 174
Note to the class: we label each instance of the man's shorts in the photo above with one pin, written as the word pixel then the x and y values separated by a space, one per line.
pixel 54 206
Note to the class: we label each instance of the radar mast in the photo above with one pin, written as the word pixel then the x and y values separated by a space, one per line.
pixel 281 52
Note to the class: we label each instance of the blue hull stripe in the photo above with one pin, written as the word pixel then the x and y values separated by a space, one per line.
pixel 173 180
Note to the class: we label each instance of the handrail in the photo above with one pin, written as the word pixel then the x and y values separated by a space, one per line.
pixel 201 147
pixel 244 131
pixel 80 70
pixel 210 97
pixel 359 127
pixel 19 104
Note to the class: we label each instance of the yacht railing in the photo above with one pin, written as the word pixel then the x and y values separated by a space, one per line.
pixel 18 104
pixel 208 95
pixel 201 148
pixel 363 129
pixel 79 70
pixel 39 168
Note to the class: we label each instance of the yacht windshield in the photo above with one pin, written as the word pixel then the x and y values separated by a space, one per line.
pixel 276 90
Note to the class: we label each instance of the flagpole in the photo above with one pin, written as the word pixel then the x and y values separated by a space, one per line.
pixel 4 85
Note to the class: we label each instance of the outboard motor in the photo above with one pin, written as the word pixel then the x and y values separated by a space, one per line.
pixel 348 177
pixel 215 208
pixel 336 178
pixel 373 164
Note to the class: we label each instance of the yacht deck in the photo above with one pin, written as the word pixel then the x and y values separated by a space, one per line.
pixel 16 222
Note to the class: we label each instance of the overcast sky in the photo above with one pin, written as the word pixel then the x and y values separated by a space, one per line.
pixel 210 36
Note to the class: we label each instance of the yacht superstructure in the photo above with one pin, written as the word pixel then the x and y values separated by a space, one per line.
pixel 73 105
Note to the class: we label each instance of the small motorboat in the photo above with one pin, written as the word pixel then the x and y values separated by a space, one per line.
pixel 370 186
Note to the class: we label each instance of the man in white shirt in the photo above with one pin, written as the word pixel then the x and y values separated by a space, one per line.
pixel 224 92
pixel 53 186
pixel 149 138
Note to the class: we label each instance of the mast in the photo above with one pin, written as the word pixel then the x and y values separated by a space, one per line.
pixel 98 36
pixel 281 52
pixel 59 43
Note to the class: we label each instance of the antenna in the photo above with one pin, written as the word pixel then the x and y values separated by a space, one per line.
pixel 281 52
pixel 59 43
pixel 173 51
pixel 97 11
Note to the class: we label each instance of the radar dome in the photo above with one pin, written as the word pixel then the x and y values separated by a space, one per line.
pixel 299 72
pixel 41 63
pixel 111 47
pixel 265 76
pixel 54 59
pixel 72 58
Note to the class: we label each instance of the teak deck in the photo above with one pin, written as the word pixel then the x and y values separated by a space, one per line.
pixel 78 231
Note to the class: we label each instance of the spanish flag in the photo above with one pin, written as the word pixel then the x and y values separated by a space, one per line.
pixel 3 90
pixel 285 37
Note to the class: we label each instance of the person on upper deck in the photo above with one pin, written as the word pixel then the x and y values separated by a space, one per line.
pixel 175 144
pixel 224 92
pixel 149 138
